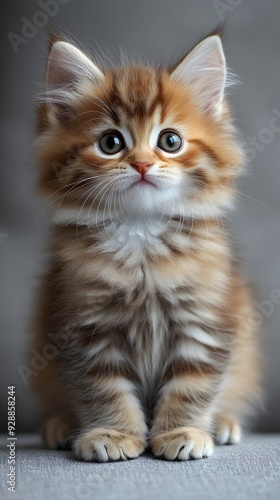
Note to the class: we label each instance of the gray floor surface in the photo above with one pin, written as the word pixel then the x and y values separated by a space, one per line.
pixel 250 470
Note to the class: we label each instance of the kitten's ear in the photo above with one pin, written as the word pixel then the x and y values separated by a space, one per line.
pixel 204 71
pixel 67 70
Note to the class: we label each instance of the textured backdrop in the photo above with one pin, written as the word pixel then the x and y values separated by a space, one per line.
pixel 159 30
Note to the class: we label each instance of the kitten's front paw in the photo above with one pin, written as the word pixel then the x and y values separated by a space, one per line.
pixel 182 444
pixel 228 430
pixel 105 444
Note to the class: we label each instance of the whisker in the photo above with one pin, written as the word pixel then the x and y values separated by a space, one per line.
pixel 75 184
pixel 250 198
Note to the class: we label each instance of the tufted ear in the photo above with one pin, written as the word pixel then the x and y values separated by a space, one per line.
pixel 68 68
pixel 203 70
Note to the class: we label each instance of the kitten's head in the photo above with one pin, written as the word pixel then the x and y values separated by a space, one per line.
pixel 135 139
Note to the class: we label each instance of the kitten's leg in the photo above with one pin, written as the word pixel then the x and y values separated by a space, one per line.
pixel 227 430
pixel 183 417
pixel 241 392
pixel 113 424
pixel 57 432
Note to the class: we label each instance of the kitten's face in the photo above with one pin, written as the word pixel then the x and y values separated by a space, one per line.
pixel 137 140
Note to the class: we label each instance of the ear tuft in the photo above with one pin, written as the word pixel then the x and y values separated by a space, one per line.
pixel 67 69
pixel 203 70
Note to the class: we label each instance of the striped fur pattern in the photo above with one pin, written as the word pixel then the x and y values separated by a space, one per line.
pixel 142 299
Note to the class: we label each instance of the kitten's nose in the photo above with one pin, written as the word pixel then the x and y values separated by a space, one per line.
pixel 141 166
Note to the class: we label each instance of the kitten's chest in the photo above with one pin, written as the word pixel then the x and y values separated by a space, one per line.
pixel 142 309
pixel 132 239
pixel 147 336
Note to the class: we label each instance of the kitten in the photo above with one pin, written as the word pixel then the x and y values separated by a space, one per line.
pixel 147 315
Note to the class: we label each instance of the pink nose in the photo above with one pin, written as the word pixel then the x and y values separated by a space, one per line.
pixel 141 166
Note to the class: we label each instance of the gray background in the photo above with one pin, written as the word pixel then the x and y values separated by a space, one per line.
pixel 159 30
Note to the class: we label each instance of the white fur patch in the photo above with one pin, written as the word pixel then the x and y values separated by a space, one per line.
pixel 193 352
pixel 93 351
pixel 134 236
pixel 112 355
pixel 201 336
pixel 190 386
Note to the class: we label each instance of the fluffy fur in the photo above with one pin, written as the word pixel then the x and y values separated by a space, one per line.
pixel 142 299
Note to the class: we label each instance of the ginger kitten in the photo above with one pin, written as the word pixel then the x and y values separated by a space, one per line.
pixel 142 300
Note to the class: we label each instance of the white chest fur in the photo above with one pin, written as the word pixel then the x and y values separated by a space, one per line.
pixel 134 238
pixel 129 238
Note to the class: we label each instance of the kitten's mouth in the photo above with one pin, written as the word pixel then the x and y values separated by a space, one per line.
pixel 143 182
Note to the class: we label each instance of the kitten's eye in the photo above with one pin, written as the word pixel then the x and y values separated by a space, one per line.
pixel 111 143
pixel 169 141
